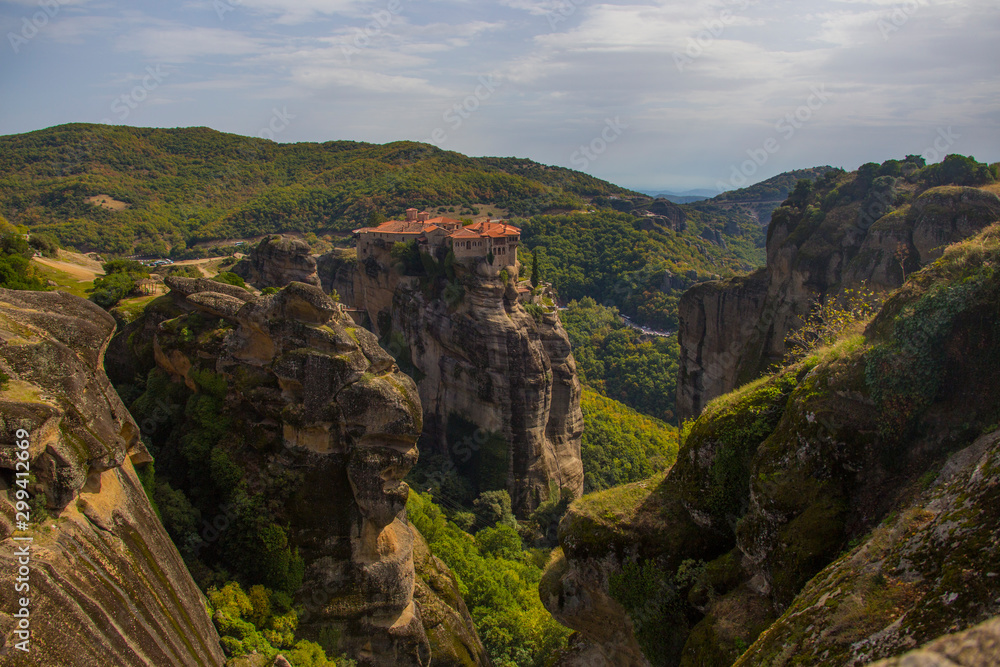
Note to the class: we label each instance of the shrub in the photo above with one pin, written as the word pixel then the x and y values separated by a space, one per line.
pixel 44 243
pixel 124 266
pixel 16 271
pixel 230 278
pixel 109 290
pixel 494 508
pixel 535 311
pixel 499 584
pixel 500 542
pixel 828 319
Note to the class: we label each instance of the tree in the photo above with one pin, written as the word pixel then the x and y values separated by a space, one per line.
pixel 229 278
pixel 121 279
pixel 493 508
pixel 534 268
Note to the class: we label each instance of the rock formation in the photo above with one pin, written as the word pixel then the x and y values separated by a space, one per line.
pixel 276 261
pixel 842 510
pixel 323 424
pixel 336 270
pixel 662 214
pixel 107 585
pixel 731 332
pixel 978 646
pixel 488 371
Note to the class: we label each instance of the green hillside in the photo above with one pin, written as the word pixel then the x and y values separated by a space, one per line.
pixel 168 188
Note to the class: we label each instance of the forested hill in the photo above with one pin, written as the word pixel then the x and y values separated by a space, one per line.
pixel 775 188
pixel 758 200
pixel 168 187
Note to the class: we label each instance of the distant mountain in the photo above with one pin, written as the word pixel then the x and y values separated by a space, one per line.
pixel 774 188
pixel 145 190
pixel 758 200
pixel 684 197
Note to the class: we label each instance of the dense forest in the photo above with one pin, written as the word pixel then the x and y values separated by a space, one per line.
pixel 166 189
pixel 620 362
pixel 620 445
pixel 190 191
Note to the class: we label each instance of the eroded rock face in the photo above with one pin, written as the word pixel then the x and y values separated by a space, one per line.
pixel 842 510
pixel 732 331
pixel 482 360
pixel 718 319
pixel 974 647
pixel 277 261
pixel 450 632
pixel 107 584
pixel 310 392
pixel 578 598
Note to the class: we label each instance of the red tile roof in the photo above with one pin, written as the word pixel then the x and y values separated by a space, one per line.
pixel 483 228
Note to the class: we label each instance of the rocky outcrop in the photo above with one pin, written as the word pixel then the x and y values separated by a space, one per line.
pixel 498 386
pixel 976 647
pixel 734 331
pixel 919 575
pixel 312 398
pixel 450 631
pixel 277 261
pixel 842 510
pixel 718 321
pixel 661 214
pixel 337 270
pixel 107 585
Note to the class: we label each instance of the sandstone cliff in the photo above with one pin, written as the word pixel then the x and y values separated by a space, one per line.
pixel 852 230
pixel 107 585
pixel 318 430
pixel 842 510
pixel 496 383
pixel 276 261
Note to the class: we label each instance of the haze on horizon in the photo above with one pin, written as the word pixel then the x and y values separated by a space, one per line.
pixel 649 95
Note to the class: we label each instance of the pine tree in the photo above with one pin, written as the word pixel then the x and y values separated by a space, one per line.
pixel 534 268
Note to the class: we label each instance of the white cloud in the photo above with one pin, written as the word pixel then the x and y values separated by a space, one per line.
pixel 183 43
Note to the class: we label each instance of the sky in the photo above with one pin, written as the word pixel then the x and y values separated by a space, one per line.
pixel 650 95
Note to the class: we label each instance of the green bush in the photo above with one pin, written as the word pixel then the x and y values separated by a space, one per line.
pixel 536 311
pixel 16 271
pixel 261 621
pixel 125 266
pixel 501 541
pixel 44 243
pixel 494 508
pixel 229 278
pixel 109 290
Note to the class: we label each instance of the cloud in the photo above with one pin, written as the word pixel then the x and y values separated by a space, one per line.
pixel 177 43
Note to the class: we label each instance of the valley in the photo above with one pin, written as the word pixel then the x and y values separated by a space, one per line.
pixel 392 405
